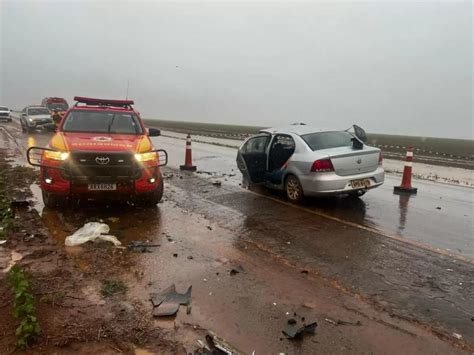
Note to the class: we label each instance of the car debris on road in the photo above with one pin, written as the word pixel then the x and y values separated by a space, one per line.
pixel 138 246
pixel 297 327
pixel 167 302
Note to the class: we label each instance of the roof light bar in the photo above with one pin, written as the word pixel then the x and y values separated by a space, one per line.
pixel 103 102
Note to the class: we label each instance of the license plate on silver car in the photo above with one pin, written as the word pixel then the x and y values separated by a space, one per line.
pixel 102 187
pixel 360 184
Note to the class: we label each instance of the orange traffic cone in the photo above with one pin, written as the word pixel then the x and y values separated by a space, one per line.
pixel 188 162
pixel 406 187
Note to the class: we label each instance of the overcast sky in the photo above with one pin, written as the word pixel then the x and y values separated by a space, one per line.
pixel 401 67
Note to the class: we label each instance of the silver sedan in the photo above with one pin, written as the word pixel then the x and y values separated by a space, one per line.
pixel 306 161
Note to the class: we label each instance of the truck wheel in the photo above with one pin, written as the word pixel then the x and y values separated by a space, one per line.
pixel 51 200
pixel 153 198
pixel 294 190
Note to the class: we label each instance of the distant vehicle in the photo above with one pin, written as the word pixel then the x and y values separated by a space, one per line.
pixel 55 103
pixel 33 117
pixel 5 113
pixel 305 161
pixel 101 149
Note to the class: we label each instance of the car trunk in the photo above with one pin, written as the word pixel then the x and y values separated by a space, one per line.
pixel 350 161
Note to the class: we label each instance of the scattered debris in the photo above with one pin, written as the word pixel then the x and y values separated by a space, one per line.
pixel 304 271
pixel 236 270
pixel 457 336
pixel 175 255
pixel 188 309
pixel 190 257
pixel 137 246
pixel 217 183
pixel 3 242
pixel 209 227
pixel 218 346
pixel 113 219
pixel 438 208
pixel 168 301
pixel 341 322
pixel 90 232
pixel 298 328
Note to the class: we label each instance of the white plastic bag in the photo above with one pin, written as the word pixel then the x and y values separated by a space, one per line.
pixel 91 231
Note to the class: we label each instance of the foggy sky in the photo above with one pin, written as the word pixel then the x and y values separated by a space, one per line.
pixel 401 67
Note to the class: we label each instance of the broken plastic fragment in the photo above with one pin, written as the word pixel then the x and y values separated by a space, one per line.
pixel 168 301
pixel 295 329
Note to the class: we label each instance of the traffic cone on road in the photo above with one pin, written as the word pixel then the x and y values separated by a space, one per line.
pixel 188 161
pixel 406 187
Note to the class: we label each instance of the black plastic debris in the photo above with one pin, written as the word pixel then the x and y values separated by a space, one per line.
pixel 217 183
pixel 297 328
pixel 304 271
pixel 438 208
pixel 341 322
pixel 138 246
pixel 237 270
pixel 167 302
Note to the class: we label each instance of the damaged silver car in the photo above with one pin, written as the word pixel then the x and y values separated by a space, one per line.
pixel 305 161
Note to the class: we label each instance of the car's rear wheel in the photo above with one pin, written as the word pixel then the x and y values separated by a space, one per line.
pixel 357 194
pixel 51 200
pixel 294 190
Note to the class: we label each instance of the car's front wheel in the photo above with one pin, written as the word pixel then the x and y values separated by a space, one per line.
pixel 51 200
pixel 294 190
pixel 153 198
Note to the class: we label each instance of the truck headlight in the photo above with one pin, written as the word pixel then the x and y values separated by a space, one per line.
pixel 55 155
pixel 146 156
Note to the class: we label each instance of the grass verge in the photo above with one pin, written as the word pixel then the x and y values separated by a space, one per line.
pixel 23 308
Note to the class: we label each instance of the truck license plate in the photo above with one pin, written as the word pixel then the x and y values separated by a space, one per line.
pixel 360 184
pixel 102 187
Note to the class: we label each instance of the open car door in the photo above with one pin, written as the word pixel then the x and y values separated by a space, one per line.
pixel 252 158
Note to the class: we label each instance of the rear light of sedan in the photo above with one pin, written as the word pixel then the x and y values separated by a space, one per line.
pixel 380 158
pixel 323 165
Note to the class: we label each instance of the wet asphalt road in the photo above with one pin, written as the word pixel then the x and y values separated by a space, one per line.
pixel 380 248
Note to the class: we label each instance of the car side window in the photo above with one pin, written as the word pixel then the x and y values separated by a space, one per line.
pixel 256 145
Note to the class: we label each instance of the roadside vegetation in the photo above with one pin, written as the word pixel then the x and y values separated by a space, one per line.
pixel 112 287
pixel 23 308
pixel 6 213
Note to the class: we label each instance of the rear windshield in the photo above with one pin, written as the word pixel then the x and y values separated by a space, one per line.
pixel 326 140
pixel 102 122
pixel 38 111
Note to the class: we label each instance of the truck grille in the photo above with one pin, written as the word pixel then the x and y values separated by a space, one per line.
pixel 102 166
pixel 4 114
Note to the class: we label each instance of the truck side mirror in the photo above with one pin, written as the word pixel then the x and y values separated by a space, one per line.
pixel 154 132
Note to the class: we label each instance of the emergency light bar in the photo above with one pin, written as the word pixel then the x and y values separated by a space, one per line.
pixel 103 102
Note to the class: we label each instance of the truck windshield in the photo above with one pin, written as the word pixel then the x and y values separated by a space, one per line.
pixel 102 122
pixel 58 106
pixel 3 108
pixel 326 140
pixel 38 111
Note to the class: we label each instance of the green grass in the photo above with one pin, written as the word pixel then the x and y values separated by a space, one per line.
pixel 112 287
pixel 456 147
pixel 23 308
pixel 6 214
